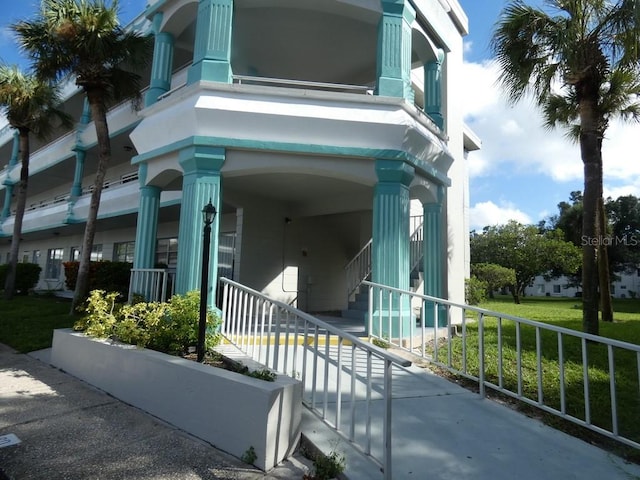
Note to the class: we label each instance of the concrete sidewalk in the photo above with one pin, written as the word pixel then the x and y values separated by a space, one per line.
pixel 69 430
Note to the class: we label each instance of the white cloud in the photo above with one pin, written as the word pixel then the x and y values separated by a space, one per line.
pixel 488 213
pixel 514 139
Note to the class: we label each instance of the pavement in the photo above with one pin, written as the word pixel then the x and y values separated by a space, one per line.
pixel 441 431
pixel 69 430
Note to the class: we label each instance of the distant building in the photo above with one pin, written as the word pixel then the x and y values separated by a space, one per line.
pixel 627 286
pixel 312 126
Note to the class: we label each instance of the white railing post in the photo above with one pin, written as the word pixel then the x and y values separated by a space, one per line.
pixel 481 365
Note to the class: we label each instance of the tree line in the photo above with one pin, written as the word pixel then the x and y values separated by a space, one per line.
pixel 510 256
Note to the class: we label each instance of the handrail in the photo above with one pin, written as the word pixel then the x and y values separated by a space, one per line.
pixel 359 267
pixel 363 89
pixel 389 311
pixel 283 338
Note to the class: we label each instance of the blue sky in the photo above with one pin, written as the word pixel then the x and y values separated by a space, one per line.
pixel 522 171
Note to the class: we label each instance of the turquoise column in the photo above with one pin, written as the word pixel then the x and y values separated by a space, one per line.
pixel 81 155
pixel 394 50
pixel 433 258
pixel 147 227
pixel 76 187
pixel 201 182
pixel 433 90
pixel 8 194
pixel 15 150
pixel 390 245
pixel 162 63
pixel 212 49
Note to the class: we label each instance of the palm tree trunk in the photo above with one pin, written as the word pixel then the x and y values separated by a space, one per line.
pixel 21 202
pixel 592 193
pixel 99 117
pixel 603 268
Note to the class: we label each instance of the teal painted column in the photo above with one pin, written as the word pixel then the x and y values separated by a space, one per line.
pixel 433 90
pixel 390 245
pixel 433 258
pixel 147 227
pixel 81 155
pixel 162 65
pixel 201 182
pixel 15 150
pixel 6 208
pixel 76 187
pixel 212 49
pixel 394 50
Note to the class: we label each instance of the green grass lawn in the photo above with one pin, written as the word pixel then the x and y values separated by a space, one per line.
pixel 565 313
pixel 27 322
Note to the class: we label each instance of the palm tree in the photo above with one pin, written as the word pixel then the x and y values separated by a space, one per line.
pixel 84 38
pixel 579 60
pixel 31 106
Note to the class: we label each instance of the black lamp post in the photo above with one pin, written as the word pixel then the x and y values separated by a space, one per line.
pixel 208 215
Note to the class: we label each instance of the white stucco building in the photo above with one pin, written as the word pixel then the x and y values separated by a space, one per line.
pixel 313 126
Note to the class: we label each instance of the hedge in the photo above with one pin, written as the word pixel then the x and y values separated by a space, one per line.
pixel 103 275
pixel 27 276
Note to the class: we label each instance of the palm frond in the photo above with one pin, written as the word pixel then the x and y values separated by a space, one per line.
pixel 31 104
pixel 83 38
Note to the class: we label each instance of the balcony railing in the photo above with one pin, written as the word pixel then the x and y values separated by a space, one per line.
pixel 124 179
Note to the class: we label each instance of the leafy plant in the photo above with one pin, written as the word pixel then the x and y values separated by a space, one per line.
pixel 380 342
pixel 167 327
pixel 249 456
pixel 264 374
pixel 475 290
pixel 328 466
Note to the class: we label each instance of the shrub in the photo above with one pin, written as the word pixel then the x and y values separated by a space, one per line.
pixel 103 275
pixel 27 276
pixel 170 327
pixel 475 290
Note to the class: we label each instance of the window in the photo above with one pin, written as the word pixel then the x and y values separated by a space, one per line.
pixel 623 287
pixel 25 257
pixel 35 257
pixel 96 253
pixel 226 253
pixel 556 289
pixel 123 252
pixel 54 263
pixel 167 252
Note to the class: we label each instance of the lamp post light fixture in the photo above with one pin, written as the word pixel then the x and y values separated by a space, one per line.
pixel 208 216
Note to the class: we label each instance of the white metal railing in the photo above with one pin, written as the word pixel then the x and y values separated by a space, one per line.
pixel 506 346
pixel 283 82
pixel 152 284
pixel 330 363
pixel 359 268
pixel 416 245
pixel 124 178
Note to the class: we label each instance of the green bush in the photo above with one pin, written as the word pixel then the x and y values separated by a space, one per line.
pixel 27 276
pixel 475 290
pixel 103 275
pixel 170 327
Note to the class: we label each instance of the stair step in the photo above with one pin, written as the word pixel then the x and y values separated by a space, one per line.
pixel 359 305
pixel 363 296
pixel 355 314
